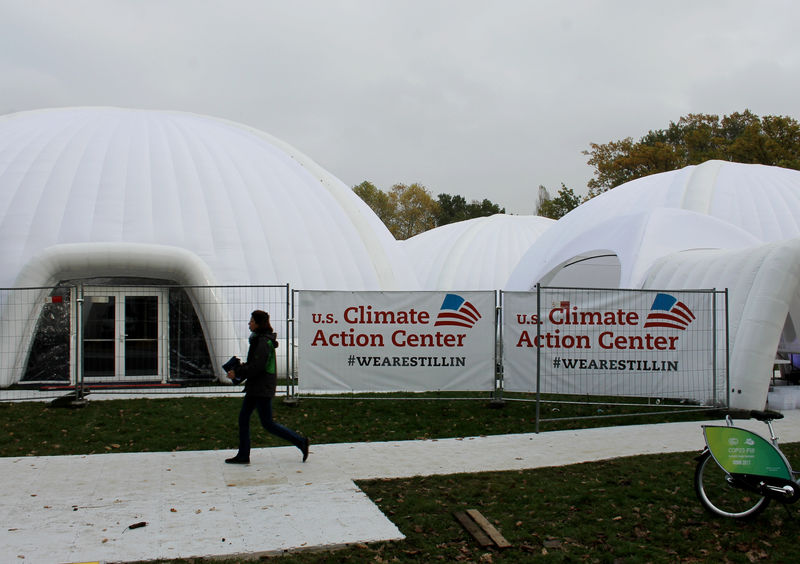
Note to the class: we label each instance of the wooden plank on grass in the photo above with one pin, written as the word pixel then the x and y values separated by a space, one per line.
pixel 473 529
pixel 488 528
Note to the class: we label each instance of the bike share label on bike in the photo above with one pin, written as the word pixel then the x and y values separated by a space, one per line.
pixel 739 451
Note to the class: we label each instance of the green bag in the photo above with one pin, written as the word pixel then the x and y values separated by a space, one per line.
pixel 270 365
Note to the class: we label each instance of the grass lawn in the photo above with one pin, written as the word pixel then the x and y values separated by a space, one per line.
pixel 151 425
pixel 638 509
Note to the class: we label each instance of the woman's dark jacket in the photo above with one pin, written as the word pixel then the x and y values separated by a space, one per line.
pixel 258 382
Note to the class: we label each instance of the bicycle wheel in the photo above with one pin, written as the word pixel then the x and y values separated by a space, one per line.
pixel 718 496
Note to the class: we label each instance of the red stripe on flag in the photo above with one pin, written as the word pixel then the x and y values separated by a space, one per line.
pixel 685 309
pixel 472 309
pixel 664 324
pixel 667 317
pixel 454 323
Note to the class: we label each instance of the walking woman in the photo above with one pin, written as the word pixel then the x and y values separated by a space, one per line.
pixel 259 388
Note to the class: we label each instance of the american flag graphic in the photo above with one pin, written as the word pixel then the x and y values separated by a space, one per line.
pixel 667 311
pixel 457 311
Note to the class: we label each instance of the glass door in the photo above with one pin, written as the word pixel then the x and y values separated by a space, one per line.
pixel 141 336
pixel 124 330
pixel 99 337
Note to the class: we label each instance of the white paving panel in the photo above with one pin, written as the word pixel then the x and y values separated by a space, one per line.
pixel 79 508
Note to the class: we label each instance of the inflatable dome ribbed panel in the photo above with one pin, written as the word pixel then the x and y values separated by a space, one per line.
pixel 477 254
pixel 761 202
pixel 253 209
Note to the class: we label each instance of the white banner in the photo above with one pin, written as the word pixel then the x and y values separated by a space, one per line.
pixel 615 343
pixel 396 341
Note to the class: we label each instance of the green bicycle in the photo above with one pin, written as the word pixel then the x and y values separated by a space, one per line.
pixel 739 472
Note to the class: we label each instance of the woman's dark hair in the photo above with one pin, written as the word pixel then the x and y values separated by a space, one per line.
pixel 262 320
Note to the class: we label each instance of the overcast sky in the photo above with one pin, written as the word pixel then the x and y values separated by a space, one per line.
pixel 486 99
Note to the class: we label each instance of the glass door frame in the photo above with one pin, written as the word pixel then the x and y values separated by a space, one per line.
pixel 120 293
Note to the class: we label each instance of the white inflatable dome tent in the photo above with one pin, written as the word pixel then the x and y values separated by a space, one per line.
pixel 715 225
pixel 88 193
pixel 476 254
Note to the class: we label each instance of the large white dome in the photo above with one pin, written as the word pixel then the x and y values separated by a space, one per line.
pixel 246 207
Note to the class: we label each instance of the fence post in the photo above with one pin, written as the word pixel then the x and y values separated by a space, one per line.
pixel 497 392
pixel 291 392
pixel 538 353
pixel 79 384
pixel 714 347
pixel 727 354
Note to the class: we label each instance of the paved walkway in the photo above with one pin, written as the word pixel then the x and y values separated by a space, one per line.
pixel 79 508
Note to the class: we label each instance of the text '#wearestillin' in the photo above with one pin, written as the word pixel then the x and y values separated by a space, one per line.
pixel 408 361
pixel 615 364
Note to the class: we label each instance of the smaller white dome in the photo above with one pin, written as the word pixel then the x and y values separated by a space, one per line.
pixel 477 254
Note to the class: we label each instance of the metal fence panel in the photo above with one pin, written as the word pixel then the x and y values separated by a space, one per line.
pixel 610 342
pixel 593 342
pixel 119 336
pixel 396 341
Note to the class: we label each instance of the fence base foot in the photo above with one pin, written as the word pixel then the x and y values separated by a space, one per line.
pixel 69 400
pixel 497 403
pixel 291 402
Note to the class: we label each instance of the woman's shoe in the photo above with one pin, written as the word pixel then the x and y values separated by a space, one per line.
pixel 237 460
pixel 304 448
